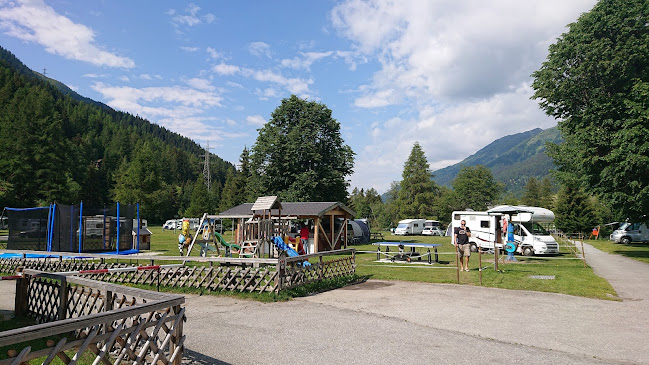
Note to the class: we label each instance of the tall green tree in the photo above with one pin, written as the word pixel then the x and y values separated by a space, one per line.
pixel 531 193
pixel 573 212
pixel 418 190
pixel 475 188
pixel 595 81
pixel 300 154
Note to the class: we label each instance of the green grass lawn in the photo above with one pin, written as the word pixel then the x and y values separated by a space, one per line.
pixel 571 277
pixel 636 251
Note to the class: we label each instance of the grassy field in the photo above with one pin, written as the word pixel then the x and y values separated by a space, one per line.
pixel 636 251
pixel 571 277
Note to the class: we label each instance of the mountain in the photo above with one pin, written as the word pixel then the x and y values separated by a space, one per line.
pixel 512 159
pixel 59 146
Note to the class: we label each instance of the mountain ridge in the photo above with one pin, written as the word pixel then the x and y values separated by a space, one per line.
pixel 512 159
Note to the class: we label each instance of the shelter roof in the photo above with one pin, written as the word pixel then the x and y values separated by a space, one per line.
pixel 266 203
pixel 299 210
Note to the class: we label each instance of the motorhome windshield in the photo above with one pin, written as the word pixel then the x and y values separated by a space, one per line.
pixel 402 225
pixel 536 228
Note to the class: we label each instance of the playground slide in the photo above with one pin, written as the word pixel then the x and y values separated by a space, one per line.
pixel 279 242
pixel 232 246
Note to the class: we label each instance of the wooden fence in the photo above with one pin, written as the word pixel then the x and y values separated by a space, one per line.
pixel 95 321
pixel 231 274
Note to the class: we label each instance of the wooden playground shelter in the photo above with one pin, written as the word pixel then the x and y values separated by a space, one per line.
pixel 255 222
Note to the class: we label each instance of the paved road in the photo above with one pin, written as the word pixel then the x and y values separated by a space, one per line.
pixel 401 322
pixel 383 322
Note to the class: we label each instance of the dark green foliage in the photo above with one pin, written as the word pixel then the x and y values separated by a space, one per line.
pixel 300 154
pixel 417 191
pixel 595 81
pixel 367 205
pixel 475 188
pixel 573 212
pixel 55 146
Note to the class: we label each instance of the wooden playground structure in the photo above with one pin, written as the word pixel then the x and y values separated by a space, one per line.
pixel 255 224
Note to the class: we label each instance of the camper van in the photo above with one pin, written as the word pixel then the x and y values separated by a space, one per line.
pixel 487 230
pixel 409 226
pixel 631 232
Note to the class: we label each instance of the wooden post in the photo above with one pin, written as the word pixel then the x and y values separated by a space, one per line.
pixel 457 263
pixel 178 334
pixel 320 268
pixel 21 306
pixel 331 232
pixel 316 234
pixel 345 239
pixel 63 298
pixel 480 261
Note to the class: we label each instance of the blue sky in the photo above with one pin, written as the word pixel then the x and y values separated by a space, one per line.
pixel 453 75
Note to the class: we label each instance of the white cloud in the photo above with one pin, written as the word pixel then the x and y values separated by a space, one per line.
pixel 146 77
pixel 306 60
pixel 296 86
pixel 191 17
pixel 213 53
pixel 94 76
pixel 453 74
pixel 189 49
pixel 200 84
pixel 34 21
pixel 225 69
pixel 130 99
pixel 444 50
pixel 259 49
pixel 257 120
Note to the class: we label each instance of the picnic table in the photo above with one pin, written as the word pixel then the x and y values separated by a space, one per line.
pixel 376 236
pixel 406 251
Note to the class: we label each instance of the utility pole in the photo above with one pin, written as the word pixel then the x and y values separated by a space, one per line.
pixel 44 72
pixel 206 167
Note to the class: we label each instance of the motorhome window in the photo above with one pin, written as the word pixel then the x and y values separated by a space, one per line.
pixel 402 225
pixel 415 225
pixel 536 228
pixel 456 217
pixel 484 224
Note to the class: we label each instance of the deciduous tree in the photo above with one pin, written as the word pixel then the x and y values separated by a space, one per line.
pixel 595 81
pixel 300 154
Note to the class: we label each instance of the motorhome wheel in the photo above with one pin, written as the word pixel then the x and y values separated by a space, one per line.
pixel 474 247
pixel 528 251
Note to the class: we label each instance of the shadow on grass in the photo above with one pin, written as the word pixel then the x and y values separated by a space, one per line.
pixel 634 254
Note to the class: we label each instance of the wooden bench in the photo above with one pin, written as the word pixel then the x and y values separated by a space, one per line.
pixel 376 236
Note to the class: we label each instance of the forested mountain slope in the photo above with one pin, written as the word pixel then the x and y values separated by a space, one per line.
pixel 512 159
pixel 58 146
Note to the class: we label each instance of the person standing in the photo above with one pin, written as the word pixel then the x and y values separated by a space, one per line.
pixel 461 236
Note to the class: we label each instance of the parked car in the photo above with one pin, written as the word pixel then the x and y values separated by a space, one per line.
pixel 432 231
pixel 170 224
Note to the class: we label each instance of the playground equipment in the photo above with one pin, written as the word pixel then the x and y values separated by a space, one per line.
pixel 282 246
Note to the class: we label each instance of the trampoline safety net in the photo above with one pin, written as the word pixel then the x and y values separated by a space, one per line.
pixel 28 228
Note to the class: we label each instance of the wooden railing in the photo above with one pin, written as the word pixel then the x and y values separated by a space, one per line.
pixel 230 274
pixel 93 320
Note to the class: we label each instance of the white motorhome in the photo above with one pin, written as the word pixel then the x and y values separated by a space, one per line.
pixel 409 226
pixel 631 232
pixel 487 230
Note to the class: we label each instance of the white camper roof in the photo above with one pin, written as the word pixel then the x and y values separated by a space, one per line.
pixel 522 213
pixel 411 220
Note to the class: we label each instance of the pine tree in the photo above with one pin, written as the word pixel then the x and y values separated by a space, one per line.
pixel 573 211
pixel 531 193
pixel 418 190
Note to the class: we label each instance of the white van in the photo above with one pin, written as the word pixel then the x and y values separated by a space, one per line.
pixel 170 224
pixel 631 232
pixel 409 226
pixel 487 231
